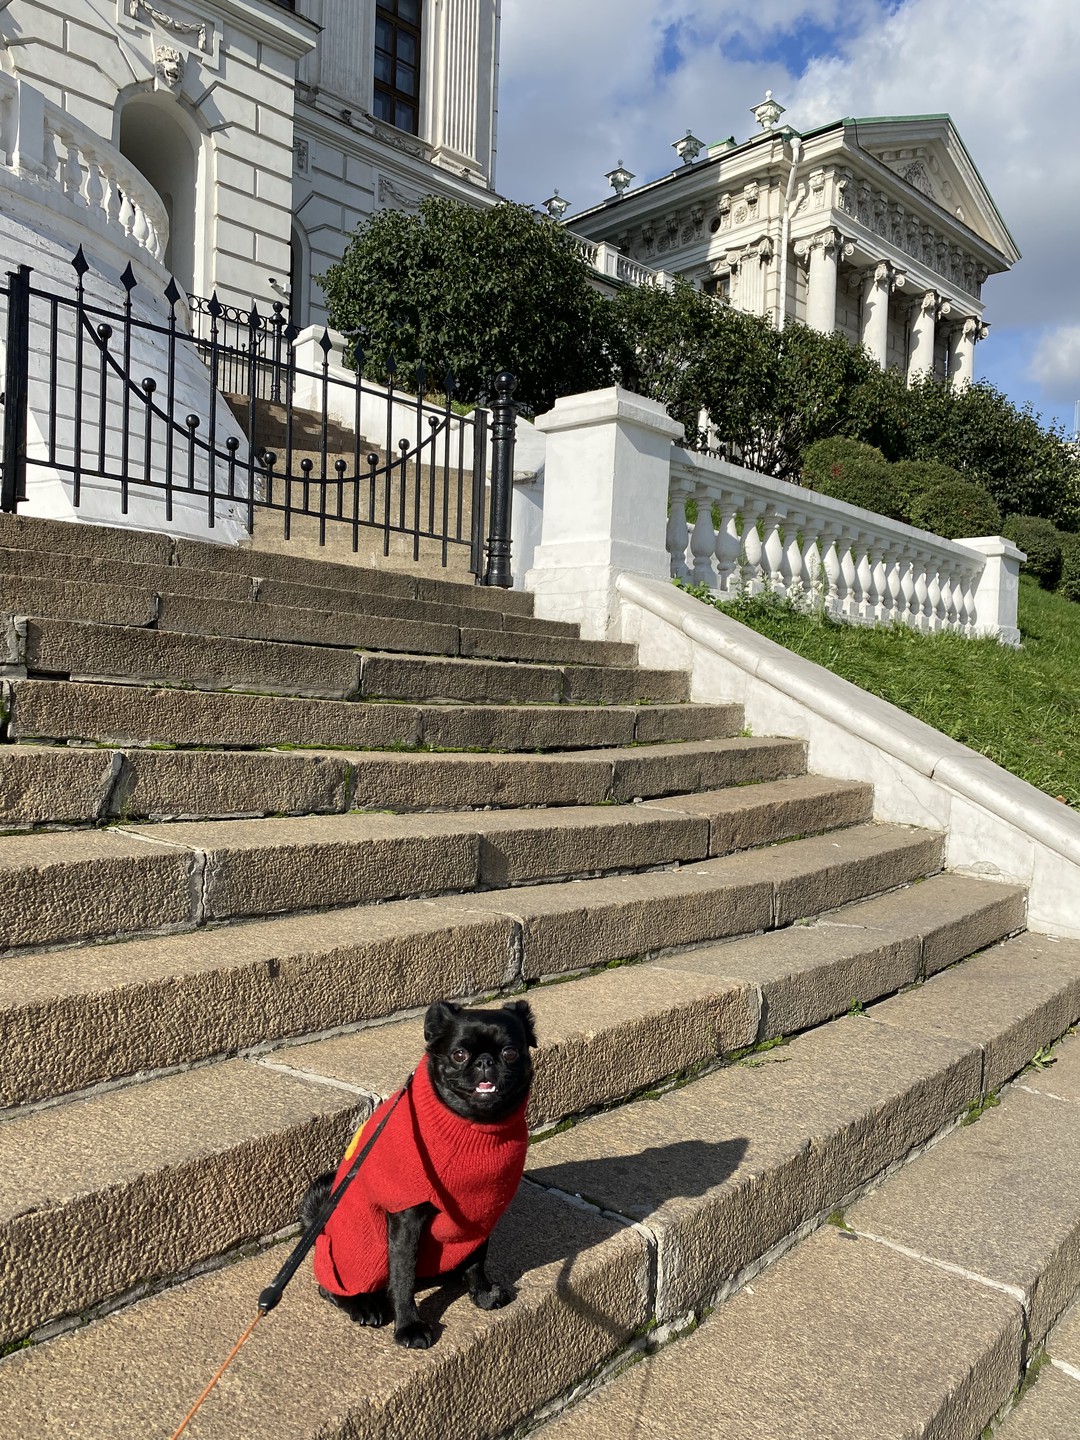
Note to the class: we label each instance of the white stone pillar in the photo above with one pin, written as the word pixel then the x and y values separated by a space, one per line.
pixel 923 332
pixel 962 353
pixel 463 95
pixel 997 587
pixel 823 253
pixel 878 283
pixel 821 283
pixel 606 480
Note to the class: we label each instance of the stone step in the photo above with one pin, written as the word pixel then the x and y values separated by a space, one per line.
pixel 22 570
pixel 1048 1408
pixel 714 1175
pixel 50 784
pixel 138 715
pixel 955 1267
pixel 77 1017
pixel 69 886
pixel 123 546
pixel 259 620
pixel 604 1037
pixel 43 647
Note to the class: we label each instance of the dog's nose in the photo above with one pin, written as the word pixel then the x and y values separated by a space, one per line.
pixel 485 1062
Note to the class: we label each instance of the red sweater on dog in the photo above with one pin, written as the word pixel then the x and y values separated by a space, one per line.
pixel 468 1171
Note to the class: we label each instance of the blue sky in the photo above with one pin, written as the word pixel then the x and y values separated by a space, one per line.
pixel 585 83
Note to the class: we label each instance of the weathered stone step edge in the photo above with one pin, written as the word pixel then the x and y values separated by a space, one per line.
pixel 531 1346
pixel 24 567
pixel 77 651
pixel 61 886
pixel 48 785
pixel 74 1018
pixel 966 1215
pixel 130 714
pixel 214 615
pixel 603 1038
pixel 113 544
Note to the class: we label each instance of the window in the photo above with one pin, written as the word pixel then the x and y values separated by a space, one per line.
pixel 397 63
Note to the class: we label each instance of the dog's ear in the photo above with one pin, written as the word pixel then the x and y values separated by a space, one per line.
pixel 523 1010
pixel 440 1020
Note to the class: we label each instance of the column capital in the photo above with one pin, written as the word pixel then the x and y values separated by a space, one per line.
pixel 828 241
pixel 884 275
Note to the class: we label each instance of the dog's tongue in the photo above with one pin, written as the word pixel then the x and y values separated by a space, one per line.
pixel 485 1087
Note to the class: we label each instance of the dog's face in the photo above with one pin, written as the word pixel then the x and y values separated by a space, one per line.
pixel 479 1060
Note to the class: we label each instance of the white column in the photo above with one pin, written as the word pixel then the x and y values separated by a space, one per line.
pixel 878 283
pixel 923 331
pixel 823 253
pixel 462 95
pixel 962 356
pixel 606 481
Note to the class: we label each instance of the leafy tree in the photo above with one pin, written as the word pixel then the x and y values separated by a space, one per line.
pixel 740 387
pixel 472 291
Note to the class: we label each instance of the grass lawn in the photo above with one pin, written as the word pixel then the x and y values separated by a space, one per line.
pixel 1020 708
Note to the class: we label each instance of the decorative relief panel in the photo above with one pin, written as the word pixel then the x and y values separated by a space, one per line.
pixel 922 241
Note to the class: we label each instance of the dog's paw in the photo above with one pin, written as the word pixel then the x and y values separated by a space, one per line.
pixel 491 1296
pixel 415 1335
pixel 369 1310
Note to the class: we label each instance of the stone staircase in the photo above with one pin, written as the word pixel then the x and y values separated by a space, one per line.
pixel 260 810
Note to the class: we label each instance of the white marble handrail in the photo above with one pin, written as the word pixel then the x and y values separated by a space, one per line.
pixel 856 566
pixel 45 150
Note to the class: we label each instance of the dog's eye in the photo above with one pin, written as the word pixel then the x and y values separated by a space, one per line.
pixel 459 1057
pixel 509 1054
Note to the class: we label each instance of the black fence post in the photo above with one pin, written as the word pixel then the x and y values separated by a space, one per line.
pixel 503 424
pixel 16 389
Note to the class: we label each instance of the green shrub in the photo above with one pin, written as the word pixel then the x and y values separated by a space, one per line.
pixel 954 509
pixel 909 479
pixel 1041 542
pixel 851 471
pixel 1069 584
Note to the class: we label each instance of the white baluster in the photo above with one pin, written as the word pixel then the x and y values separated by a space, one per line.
pixel 908 586
pixel 140 232
pixel 112 197
pixel 678 534
pixel 883 601
pixel 892 597
pixel 94 190
pixel 830 543
pixel 948 609
pixel 848 584
pixel 773 552
pixel 728 545
pixel 752 549
pixel 127 213
pixel 794 572
pixel 865 600
pixel 703 541
pixel 933 596
pixel 73 175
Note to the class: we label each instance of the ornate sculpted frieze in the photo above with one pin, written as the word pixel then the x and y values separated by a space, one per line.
pixel 201 31
pixel 888 218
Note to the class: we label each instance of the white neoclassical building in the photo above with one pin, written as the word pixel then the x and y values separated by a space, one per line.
pixel 879 228
pixel 265 130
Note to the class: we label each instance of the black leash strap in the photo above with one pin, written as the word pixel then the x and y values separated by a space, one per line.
pixel 274 1291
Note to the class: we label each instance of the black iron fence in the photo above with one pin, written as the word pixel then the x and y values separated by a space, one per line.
pixel 127 403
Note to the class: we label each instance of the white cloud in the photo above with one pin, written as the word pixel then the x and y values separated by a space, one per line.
pixel 1056 362
pixel 582 86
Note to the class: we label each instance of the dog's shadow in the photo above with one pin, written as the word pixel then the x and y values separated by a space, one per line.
pixel 537 1230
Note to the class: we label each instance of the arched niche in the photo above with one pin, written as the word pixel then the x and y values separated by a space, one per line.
pixel 161 141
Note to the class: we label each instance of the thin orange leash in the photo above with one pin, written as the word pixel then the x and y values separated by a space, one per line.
pixel 228 1361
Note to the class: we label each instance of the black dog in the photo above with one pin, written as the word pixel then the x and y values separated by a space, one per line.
pixel 446 1166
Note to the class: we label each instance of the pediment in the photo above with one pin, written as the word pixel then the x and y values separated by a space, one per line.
pixel 928 155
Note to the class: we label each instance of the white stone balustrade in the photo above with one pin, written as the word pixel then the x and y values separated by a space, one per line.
pixel 754 533
pixel 49 159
